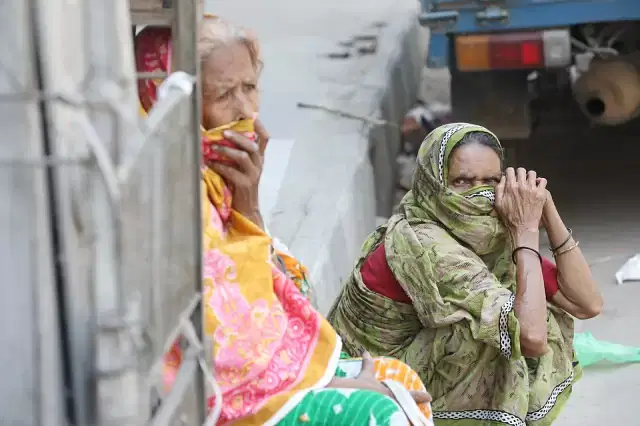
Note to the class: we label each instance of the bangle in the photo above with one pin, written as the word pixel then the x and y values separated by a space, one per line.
pixel 568 249
pixel 513 255
pixel 564 242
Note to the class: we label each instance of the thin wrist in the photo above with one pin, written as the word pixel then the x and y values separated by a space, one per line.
pixel 529 237
pixel 555 227
pixel 524 231
pixel 549 212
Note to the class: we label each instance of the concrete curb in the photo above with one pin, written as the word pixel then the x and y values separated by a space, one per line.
pixel 330 235
pixel 403 84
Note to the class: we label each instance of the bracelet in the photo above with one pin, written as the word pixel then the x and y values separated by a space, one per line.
pixel 513 255
pixel 564 242
pixel 568 249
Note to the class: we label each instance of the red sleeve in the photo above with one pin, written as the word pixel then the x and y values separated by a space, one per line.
pixel 378 277
pixel 550 278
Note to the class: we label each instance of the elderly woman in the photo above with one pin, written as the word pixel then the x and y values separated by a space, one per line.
pixel 276 360
pixel 455 286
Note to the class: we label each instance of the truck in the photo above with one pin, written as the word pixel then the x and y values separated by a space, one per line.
pixel 100 220
pixel 516 63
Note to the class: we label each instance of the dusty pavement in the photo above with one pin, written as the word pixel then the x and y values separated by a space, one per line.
pixel 593 175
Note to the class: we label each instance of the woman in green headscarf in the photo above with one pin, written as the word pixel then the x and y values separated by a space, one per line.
pixel 455 286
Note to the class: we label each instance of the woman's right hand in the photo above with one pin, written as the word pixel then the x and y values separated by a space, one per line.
pixel 520 199
pixel 244 175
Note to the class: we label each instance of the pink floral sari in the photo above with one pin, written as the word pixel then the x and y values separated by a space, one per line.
pixel 269 343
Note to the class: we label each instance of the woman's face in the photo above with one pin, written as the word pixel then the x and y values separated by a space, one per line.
pixel 473 165
pixel 229 86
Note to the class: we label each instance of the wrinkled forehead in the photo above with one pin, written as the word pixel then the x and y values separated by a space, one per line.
pixel 229 65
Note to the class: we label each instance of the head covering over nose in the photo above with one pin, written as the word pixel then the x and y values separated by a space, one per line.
pixel 467 215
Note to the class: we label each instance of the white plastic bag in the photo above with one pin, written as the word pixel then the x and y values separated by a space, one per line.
pixel 630 271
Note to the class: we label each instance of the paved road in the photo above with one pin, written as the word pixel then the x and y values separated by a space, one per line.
pixel 594 181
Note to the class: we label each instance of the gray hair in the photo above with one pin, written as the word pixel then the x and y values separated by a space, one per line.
pixel 216 32
pixel 481 138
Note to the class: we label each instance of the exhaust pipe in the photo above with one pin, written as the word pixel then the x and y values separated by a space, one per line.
pixel 609 92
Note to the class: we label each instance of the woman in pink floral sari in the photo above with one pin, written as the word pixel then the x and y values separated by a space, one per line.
pixel 276 359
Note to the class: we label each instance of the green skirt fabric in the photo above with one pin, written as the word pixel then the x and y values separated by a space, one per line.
pixel 356 407
pixel 345 407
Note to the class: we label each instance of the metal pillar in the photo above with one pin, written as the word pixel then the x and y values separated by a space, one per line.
pixel 30 363
pixel 102 215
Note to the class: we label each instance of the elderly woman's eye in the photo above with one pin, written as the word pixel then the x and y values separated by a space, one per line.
pixel 250 87
pixel 223 95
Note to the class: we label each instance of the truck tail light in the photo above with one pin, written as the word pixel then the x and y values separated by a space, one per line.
pixel 521 50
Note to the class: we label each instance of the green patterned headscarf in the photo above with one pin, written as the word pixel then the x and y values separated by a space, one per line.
pixel 467 216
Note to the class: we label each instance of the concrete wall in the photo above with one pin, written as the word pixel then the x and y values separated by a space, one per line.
pixel 340 173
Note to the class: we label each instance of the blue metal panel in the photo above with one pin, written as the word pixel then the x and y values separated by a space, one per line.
pixel 435 5
pixel 534 14
pixel 521 15
pixel 438 56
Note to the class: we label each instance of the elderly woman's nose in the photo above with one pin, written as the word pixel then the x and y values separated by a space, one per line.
pixel 243 108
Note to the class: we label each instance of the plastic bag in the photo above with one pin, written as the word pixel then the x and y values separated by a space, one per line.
pixel 590 351
pixel 630 271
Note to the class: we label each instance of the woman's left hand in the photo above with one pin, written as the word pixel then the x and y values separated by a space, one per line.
pixel 367 380
pixel 244 175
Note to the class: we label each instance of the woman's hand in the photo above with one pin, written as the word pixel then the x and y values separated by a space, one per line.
pixel 244 176
pixel 367 380
pixel 520 199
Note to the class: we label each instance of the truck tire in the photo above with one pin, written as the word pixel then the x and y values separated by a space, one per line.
pixel 498 100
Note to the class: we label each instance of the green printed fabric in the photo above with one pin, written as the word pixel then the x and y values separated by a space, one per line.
pixel 345 407
pixel 460 333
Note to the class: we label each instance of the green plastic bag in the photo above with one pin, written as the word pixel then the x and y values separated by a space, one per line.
pixel 590 351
